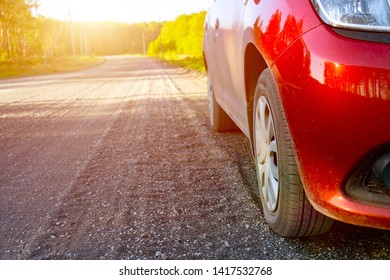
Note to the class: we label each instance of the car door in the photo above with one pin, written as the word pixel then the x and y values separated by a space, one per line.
pixel 209 44
pixel 228 50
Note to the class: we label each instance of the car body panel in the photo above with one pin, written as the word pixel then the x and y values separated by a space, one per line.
pixel 338 111
pixel 225 26
pixel 335 93
pixel 208 47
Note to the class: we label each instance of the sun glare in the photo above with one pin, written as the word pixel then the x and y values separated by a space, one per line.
pixel 120 10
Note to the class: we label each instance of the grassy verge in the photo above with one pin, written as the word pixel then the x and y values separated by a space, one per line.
pixel 36 66
pixel 189 62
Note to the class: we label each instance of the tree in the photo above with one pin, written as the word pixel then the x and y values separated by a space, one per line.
pixel 182 36
pixel 16 21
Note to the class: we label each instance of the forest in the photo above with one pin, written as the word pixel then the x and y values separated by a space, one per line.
pixel 24 35
pixel 180 41
pixel 182 36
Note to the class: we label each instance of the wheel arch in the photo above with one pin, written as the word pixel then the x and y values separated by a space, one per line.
pixel 254 65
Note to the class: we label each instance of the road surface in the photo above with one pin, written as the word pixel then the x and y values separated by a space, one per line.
pixel 119 162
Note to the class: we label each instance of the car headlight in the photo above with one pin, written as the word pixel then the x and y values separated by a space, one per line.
pixel 367 15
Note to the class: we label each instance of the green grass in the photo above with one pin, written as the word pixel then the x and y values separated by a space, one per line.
pixel 36 66
pixel 189 62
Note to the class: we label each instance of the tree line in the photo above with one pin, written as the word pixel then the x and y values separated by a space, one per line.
pixel 182 36
pixel 25 34
pixel 17 26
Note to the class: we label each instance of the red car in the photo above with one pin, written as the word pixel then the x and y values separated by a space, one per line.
pixel 308 82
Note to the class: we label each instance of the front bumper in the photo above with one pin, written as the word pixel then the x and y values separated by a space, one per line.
pixel 336 97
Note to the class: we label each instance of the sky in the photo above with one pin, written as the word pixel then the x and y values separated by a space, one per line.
pixel 130 11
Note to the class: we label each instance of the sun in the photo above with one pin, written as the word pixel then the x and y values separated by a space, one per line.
pixel 90 10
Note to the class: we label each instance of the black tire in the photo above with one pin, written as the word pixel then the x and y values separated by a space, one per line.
pixel 219 120
pixel 286 207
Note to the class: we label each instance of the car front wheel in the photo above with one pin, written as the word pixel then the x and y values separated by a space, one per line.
pixel 285 205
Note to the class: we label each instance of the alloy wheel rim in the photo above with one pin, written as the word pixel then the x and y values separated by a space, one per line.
pixel 266 154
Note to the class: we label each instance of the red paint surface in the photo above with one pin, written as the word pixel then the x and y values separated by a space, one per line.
pixel 336 97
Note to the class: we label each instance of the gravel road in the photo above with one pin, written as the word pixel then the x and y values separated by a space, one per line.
pixel 119 162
